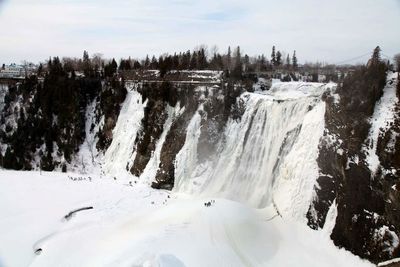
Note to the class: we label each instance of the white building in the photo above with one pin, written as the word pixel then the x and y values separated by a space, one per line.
pixel 12 71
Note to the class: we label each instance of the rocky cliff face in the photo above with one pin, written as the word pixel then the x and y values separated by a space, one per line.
pixel 359 165
pixel 215 103
pixel 249 147
pixel 43 123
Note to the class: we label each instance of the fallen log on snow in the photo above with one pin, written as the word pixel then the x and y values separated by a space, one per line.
pixel 69 215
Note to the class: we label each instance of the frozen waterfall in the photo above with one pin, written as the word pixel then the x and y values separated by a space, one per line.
pixel 270 154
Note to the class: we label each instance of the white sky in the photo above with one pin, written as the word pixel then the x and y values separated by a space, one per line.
pixel 330 31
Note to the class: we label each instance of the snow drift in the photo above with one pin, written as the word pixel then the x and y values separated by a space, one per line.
pixel 140 226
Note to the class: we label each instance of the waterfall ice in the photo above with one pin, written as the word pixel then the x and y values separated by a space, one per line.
pixel 270 154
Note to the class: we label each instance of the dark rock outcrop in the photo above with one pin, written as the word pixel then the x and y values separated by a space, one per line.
pixel 152 125
pixel 112 96
pixel 44 121
pixel 219 103
pixel 366 220
pixel 175 138
pixel 214 116
pixel 174 142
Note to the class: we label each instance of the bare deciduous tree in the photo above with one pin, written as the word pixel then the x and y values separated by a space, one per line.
pixel 97 59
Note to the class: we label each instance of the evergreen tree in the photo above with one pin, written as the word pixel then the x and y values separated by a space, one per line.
pixel 294 60
pixel 125 64
pixel 111 68
pixel 147 62
pixel 217 62
pixel 273 56
pixel 278 61
pixel 164 65
pixel 376 55
pixel 87 68
pixel 228 59
pixel 55 67
pixel 213 62
pixel 114 65
pixel 202 59
pixel 39 70
pixel 238 55
pixel 237 70
pixel 154 63
pixel 129 63
pixel 160 64
pixel 85 56
pixel 263 62
pixel 185 62
pixel 136 65
pixel 175 62
pixel 288 62
pixel 193 61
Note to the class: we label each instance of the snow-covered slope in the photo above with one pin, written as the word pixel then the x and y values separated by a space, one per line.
pixel 140 226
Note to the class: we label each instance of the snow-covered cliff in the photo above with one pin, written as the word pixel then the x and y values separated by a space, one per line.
pixel 298 148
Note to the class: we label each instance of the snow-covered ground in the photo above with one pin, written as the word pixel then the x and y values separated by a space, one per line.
pixel 139 226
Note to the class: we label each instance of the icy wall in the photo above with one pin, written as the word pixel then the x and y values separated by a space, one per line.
pixel 266 153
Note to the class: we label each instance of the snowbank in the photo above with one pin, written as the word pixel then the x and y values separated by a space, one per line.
pixel 139 226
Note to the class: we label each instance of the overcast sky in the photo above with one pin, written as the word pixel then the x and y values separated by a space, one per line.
pixel 330 31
